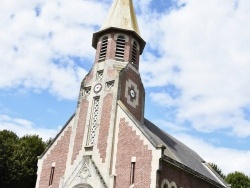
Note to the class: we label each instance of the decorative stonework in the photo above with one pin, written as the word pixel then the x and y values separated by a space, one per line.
pixel 166 184
pixel 82 186
pixel 110 85
pixel 94 121
pixel 99 75
pixel 80 129
pixel 83 174
pixel 97 88
pixel 99 174
pixel 87 90
pixel 80 175
pixel 132 93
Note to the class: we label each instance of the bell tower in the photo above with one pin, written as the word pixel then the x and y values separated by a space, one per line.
pixel 111 92
pixel 122 34
pixel 113 80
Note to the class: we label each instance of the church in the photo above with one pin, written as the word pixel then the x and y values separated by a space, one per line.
pixel 107 142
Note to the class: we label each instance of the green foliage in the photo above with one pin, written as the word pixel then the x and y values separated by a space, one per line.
pixel 48 142
pixel 8 142
pixel 217 169
pixel 238 180
pixel 18 159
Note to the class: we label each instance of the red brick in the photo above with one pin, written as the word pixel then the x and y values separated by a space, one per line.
pixel 181 177
pixel 58 155
pixel 130 145
pixel 80 129
pixel 128 73
pixel 104 126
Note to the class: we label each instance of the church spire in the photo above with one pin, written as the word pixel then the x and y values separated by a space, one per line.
pixel 122 15
pixel 122 18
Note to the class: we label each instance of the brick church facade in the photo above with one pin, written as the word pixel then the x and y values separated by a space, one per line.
pixel 107 142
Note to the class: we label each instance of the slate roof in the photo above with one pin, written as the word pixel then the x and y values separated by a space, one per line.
pixel 179 152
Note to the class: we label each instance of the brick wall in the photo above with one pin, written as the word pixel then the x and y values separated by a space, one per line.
pixel 111 72
pixel 130 145
pixel 111 48
pixel 104 126
pixel 57 154
pixel 127 51
pixel 128 73
pixel 80 129
pixel 181 177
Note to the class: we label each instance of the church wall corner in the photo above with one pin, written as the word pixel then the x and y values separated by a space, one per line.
pixel 55 156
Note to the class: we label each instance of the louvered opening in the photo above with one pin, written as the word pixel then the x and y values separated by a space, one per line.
pixel 134 53
pixel 120 46
pixel 104 47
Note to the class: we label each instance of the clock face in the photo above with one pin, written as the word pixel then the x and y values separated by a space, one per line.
pixel 97 88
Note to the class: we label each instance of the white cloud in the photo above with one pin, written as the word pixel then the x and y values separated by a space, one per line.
pixel 24 127
pixel 203 49
pixel 36 34
pixel 229 160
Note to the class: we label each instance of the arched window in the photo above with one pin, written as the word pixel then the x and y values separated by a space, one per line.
pixel 173 185
pixel 120 47
pixel 82 186
pixel 134 53
pixel 104 47
pixel 165 184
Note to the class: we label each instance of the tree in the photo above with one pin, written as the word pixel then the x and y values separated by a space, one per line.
pixel 18 159
pixel 8 142
pixel 238 180
pixel 217 169
pixel 48 142
pixel 26 160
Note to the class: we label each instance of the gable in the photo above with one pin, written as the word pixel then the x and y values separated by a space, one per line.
pixel 52 163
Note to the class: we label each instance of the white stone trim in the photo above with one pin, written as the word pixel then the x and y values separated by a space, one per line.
pixel 40 161
pixel 138 45
pixel 133 159
pixel 100 39
pixel 118 34
pixel 156 153
pixel 169 184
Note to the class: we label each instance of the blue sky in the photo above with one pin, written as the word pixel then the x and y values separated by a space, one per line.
pixel 195 69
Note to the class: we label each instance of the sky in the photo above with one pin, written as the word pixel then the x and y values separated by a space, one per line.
pixel 195 69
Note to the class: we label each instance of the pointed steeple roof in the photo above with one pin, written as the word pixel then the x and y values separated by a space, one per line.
pixel 122 15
